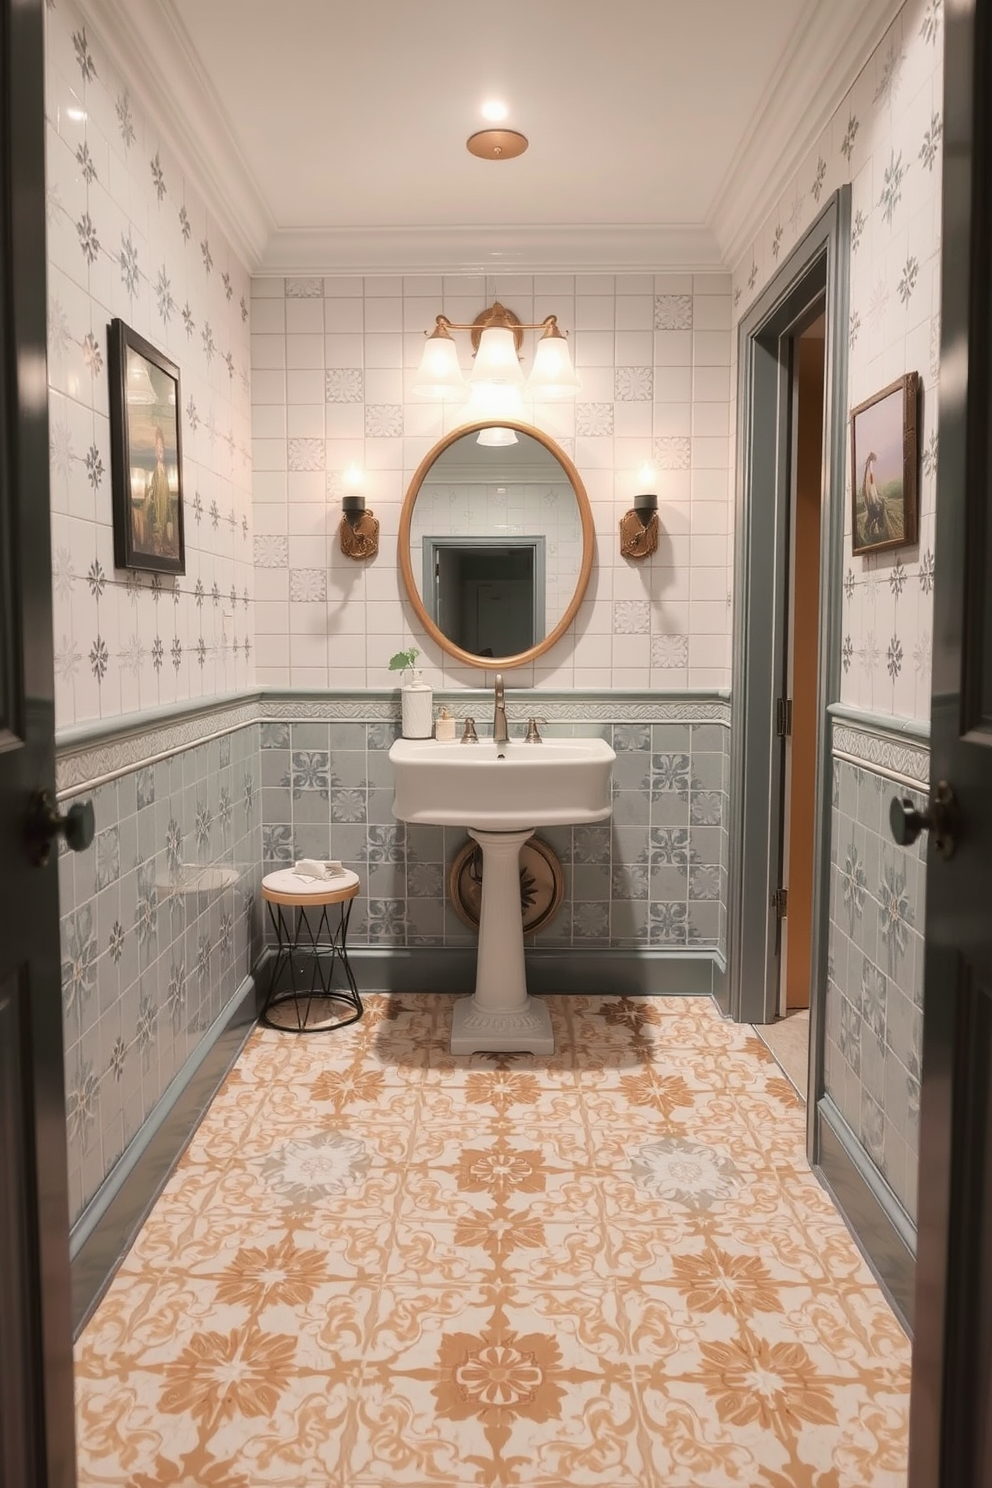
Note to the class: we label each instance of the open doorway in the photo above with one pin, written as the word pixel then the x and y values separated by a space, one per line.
pixel 789 524
pixel 788 1036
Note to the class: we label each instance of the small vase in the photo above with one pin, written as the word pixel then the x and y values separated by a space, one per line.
pixel 417 698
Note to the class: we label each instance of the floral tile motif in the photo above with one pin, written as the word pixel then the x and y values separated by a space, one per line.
pixel 304 289
pixel 670 652
pixel 673 452
pixel 383 420
pixel 377 1264
pixel 593 420
pixel 634 384
pixel 673 312
pixel 307 584
pixel 683 1172
pixel 344 385
pixel 631 616
pixel 306 454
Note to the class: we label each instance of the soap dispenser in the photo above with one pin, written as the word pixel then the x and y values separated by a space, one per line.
pixel 444 728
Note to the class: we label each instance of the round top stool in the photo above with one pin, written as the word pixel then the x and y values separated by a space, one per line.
pixel 310 947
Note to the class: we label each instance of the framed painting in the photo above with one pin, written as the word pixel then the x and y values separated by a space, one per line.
pixel 146 454
pixel 884 496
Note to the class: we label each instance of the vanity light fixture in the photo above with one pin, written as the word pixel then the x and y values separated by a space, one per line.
pixel 639 525
pixel 497 336
pixel 358 530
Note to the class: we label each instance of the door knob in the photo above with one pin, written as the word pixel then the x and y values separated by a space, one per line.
pixel 77 826
pixel 907 823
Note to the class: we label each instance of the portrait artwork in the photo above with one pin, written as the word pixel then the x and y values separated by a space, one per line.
pixel 145 413
pixel 884 467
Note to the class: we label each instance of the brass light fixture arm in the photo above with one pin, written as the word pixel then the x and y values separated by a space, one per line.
pixel 497 315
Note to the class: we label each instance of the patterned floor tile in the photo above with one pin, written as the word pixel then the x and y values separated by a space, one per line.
pixel 377 1265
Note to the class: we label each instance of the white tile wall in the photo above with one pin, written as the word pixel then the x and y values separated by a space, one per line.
pixel 333 363
pixel 886 140
pixel 128 236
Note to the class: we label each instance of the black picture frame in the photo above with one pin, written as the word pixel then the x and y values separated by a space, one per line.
pixel 885 468
pixel 146 462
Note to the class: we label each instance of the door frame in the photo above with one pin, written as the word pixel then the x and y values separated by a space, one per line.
pixel 535 545
pixel 818 265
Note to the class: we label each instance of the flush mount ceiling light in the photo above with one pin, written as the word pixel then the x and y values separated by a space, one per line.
pixel 497 144
pixel 497 336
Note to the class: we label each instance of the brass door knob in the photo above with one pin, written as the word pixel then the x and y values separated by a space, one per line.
pixel 77 826
pixel 907 822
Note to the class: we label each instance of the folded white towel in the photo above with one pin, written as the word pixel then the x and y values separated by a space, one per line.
pixel 316 868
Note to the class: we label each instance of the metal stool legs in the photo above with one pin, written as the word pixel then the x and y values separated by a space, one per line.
pixel 297 939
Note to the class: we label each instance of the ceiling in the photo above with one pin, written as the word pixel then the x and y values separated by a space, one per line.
pixel 332 135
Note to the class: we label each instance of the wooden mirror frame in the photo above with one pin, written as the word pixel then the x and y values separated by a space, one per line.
pixel 495 663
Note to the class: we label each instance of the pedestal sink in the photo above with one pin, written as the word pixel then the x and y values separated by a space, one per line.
pixel 501 794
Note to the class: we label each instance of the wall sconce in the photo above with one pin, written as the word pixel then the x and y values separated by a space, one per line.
pixel 639 526
pixel 497 336
pixel 358 530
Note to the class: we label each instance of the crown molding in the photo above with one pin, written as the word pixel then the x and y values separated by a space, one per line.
pixel 178 99
pixel 551 249
pixel 830 47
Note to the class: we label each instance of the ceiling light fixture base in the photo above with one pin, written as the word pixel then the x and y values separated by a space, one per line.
pixel 497 144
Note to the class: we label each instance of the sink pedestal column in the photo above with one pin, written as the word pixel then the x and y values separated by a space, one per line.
pixel 500 1017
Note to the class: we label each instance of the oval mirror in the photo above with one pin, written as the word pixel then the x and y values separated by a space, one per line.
pixel 496 543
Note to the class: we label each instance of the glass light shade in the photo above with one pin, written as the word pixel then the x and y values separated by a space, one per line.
pixel 497 435
pixel 552 375
pixel 491 402
pixel 496 360
pixel 439 375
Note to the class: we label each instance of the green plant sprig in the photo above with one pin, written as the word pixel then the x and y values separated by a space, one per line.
pixel 404 660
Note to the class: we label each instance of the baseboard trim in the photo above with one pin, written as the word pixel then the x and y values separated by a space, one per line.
pixel 106 1229
pixel 633 973
pixel 882 1231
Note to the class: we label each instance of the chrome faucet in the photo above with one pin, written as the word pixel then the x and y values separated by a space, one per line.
pixel 501 734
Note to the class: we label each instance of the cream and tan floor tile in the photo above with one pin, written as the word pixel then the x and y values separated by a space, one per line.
pixel 379 1265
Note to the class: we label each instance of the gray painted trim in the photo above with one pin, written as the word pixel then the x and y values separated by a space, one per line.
pixel 125 725
pixel 596 971
pixel 884 724
pixel 128 745
pixel 835 414
pixel 881 1229
pixel 817 265
pixel 107 1227
pixel 883 746
pixel 576 706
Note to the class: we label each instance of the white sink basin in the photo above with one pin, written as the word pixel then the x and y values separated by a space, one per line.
pixel 555 783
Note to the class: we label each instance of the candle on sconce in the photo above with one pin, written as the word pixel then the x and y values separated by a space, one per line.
pixel 359 527
pixel 639 525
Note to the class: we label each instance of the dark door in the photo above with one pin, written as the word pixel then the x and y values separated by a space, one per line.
pixel 36 1408
pixel 951 1413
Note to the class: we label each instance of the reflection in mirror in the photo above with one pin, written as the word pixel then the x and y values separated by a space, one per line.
pixel 487 592
pixel 496 544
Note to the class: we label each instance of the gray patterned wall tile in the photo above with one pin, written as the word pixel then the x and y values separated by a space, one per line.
pixel 877 895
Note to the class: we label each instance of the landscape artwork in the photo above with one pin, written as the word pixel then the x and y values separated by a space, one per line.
pixel 884 467
pixel 146 444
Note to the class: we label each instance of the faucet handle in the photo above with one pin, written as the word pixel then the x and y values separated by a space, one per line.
pixel 469 736
pixel 533 734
